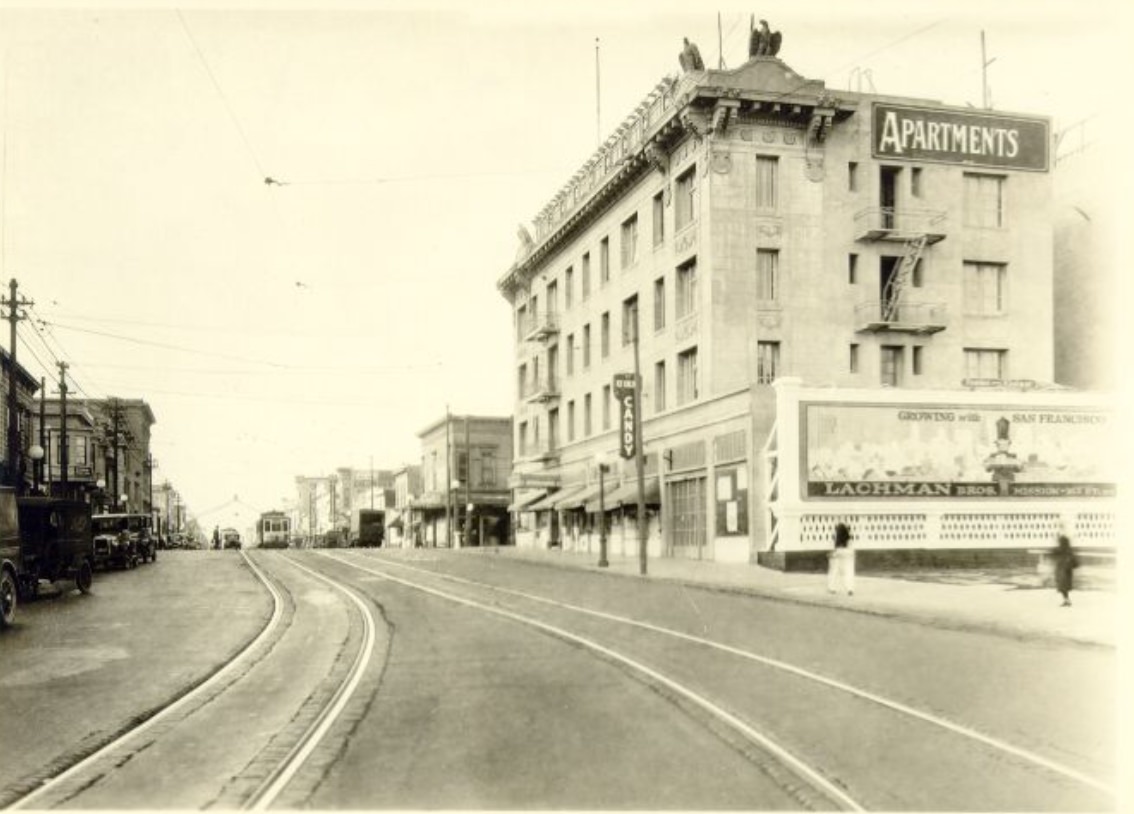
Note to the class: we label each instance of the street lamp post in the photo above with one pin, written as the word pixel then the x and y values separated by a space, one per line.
pixel 101 484
pixel 36 454
pixel 603 467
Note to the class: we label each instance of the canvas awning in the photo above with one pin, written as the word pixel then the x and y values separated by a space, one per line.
pixel 627 495
pixel 552 499
pixel 580 498
pixel 523 502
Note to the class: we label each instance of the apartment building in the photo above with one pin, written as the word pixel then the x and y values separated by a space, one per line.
pixel 747 225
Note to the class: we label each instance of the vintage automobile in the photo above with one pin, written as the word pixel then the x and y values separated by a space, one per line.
pixel 230 538
pixel 55 543
pixel 123 540
pixel 11 563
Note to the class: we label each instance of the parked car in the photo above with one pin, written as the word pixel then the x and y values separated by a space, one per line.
pixel 56 542
pixel 11 563
pixel 123 540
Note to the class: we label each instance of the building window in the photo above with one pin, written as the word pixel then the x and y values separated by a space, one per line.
pixel 605 334
pixel 604 261
pixel 985 288
pixel 984 200
pixel 686 289
pixel 522 441
pixel 630 241
pixel 570 354
pixel 767 275
pixel 629 320
pixel 568 287
pixel 659 303
pixel 917 276
pixel 687 389
pixel 852 176
pixel 767 362
pixel 854 358
pixel 659 219
pixel 852 269
pixel 522 381
pixel 767 181
pixel 571 421
pixel 586 276
pixel 587 426
pixel 488 467
pixel 916 359
pixel 986 363
pixel 521 322
pixel 606 406
pixel 462 466
pixel 685 197
pixel 586 346
pixel 891 365
pixel 553 429
pixel 915 182
pixel 552 298
pixel 659 387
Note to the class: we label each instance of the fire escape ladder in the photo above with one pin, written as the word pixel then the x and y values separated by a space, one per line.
pixel 899 280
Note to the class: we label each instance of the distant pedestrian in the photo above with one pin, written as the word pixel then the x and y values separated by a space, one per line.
pixel 216 537
pixel 1065 563
pixel 840 562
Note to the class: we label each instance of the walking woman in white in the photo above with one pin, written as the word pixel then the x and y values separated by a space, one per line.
pixel 840 562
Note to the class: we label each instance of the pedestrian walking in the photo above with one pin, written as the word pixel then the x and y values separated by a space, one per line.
pixel 840 562
pixel 1065 562
pixel 216 537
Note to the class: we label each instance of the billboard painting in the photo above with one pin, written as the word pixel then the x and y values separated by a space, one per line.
pixel 866 451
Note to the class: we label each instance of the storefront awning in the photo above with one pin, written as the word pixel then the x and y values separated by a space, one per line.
pixel 523 502
pixel 552 499
pixel 627 495
pixel 580 498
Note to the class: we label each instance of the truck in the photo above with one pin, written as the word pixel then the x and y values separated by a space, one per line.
pixel 371 528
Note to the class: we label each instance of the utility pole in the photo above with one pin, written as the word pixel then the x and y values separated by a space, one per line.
pixel 63 451
pixel 598 107
pixel 114 442
pixel 448 480
pixel 468 482
pixel 14 303
pixel 984 63
pixel 639 456
pixel 43 435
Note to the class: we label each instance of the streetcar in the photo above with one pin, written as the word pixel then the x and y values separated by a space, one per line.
pixel 273 530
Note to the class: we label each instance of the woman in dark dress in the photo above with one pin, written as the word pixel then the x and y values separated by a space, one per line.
pixel 1065 563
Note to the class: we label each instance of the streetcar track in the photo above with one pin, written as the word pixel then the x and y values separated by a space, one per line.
pixel 895 706
pixel 227 672
pixel 825 785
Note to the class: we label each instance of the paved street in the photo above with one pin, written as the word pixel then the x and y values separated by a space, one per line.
pixel 506 679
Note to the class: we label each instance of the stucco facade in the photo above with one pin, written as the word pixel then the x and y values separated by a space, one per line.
pixel 751 225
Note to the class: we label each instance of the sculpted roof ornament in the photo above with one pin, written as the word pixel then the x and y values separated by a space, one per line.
pixel 762 41
pixel 690 58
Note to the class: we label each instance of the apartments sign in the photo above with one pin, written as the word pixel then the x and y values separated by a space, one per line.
pixel 958 137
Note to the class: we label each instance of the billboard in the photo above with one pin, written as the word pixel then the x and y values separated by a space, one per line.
pixel 875 451
pixel 959 137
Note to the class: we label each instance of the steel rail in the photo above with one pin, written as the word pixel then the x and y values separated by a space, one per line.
pixel 805 771
pixel 267 792
pixel 896 706
pixel 50 783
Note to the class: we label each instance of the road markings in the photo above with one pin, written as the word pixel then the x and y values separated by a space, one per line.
pixel 812 775
pixel 896 706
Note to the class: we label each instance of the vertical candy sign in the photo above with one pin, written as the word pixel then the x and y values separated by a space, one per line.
pixel 624 391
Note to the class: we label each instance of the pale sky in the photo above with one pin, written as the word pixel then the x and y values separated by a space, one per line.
pixel 279 330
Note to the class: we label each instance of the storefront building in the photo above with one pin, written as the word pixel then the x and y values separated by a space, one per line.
pixel 747 225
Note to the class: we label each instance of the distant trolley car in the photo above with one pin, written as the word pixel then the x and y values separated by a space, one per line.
pixel 273 530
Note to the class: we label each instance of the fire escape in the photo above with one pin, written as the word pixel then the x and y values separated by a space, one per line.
pixel 897 309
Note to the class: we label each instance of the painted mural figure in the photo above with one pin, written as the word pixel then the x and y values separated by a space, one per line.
pixel 840 562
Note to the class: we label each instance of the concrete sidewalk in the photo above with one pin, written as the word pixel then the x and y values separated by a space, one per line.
pixel 1016 609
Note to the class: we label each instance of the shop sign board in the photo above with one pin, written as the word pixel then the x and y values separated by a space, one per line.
pixel 625 391
pixel 956 451
pixel 960 137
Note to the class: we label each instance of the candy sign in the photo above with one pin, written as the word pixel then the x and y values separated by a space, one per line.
pixel 624 394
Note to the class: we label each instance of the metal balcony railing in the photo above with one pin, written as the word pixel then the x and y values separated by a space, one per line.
pixel 906 317
pixel 540 326
pixel 541 390
pixel 891 223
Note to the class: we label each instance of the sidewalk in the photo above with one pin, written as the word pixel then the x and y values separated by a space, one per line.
pixel 1019 609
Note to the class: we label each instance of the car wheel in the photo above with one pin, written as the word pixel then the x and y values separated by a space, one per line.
pixel 84 578
pixel 131 563
pixel 8 599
